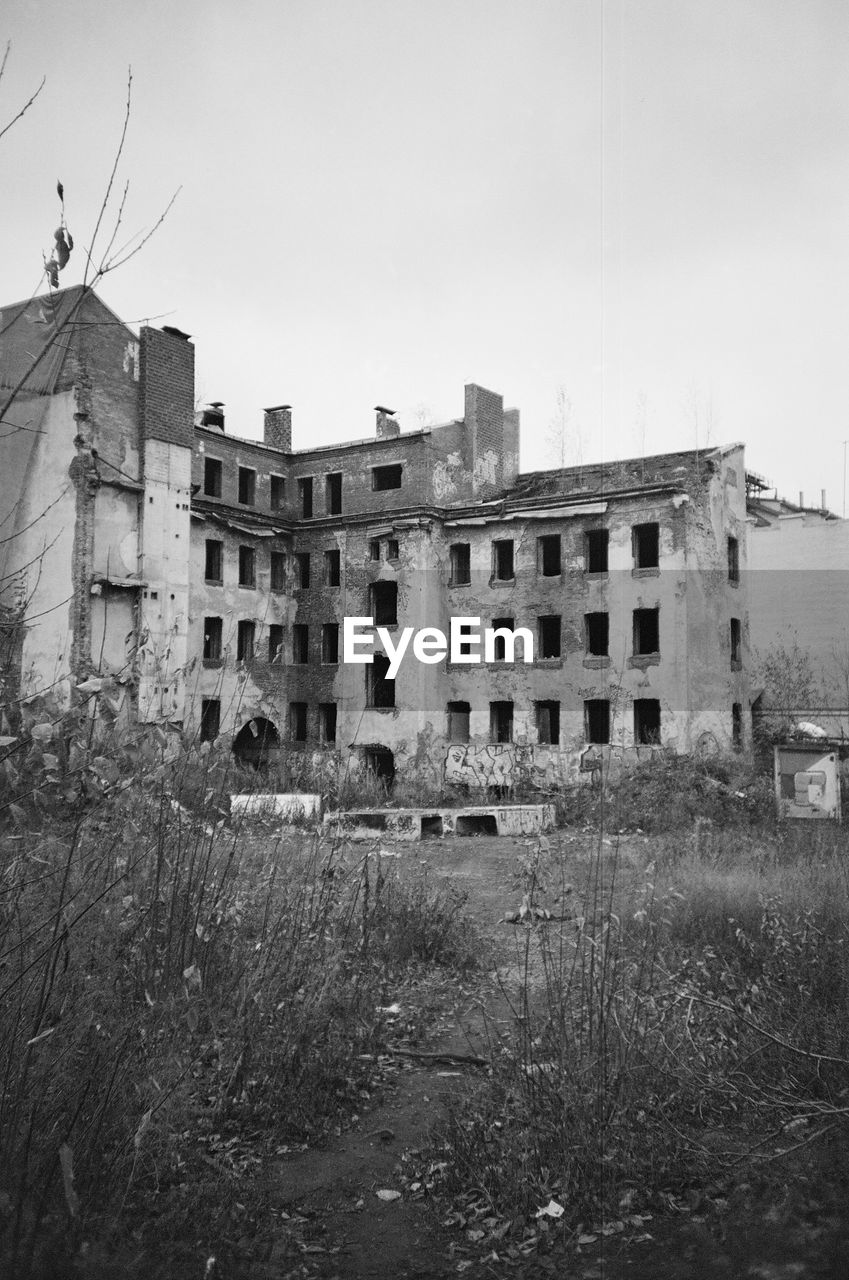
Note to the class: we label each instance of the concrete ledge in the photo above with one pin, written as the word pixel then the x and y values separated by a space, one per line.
pixel 294 806
pixel 417 824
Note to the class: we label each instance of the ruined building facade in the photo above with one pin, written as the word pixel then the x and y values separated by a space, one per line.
pixel 210 575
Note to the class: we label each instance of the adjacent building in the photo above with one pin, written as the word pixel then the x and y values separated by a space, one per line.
pixel 210 576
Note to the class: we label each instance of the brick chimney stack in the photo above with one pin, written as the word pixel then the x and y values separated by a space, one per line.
pixel 167 385
pixel 277 427
pixel 387 427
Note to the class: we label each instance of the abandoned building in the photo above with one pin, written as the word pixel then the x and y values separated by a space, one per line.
pixel 210 575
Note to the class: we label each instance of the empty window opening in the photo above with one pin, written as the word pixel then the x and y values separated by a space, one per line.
pixel 458 721
pixel 330 643
pixel 646 544
pixel 278 570
pixel 302 560
pixel 548 555
pixel 245 638
pixel 300 643
pixel 596 546
pixel 548 722
pixel 502 560
pixel 333 493
pixel 380 690
pixel 278 492
pixel 646 721
pixel 646 631
pixel 737 724
pixel 476 824
pixel 210 718
pixel 298 721
pixel 736 640
pixel 247 567
pixel 733 560
pixel 597 634
pixel 255 741
pixel 549 636
pixel 213 631
pixel 461 564
pixel 392 549
pixel 499 641
pixel 327 721
pixel 597 720
pixel 431 825
pixel 275 643
pixel 380 762
pixel 212 477
pixel 305 496
pixel 383 603
pixel 332 568
pixel 374 549
pixel 388 477
pixel 501 721
pixel 247 486
pixel 214 561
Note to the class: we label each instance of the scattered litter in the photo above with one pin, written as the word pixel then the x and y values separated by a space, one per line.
pixel 388 1195
pixel 551 1210
pixel 389 1008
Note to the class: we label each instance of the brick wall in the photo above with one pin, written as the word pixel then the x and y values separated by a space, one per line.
pixel 167 376
pixel 484 417
pixel 277 428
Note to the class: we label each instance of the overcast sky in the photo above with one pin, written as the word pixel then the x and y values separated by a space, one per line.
pixel 638 207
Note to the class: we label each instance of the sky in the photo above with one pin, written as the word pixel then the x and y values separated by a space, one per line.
pixel 629 217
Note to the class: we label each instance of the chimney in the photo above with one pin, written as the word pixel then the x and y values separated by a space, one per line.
pixel 484 431
pixel 167 385
pixel 213 416
pixel 801 498
pixel 387 427
pixel 277 427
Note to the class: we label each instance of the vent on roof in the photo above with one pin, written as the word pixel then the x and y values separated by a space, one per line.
pixel 213 416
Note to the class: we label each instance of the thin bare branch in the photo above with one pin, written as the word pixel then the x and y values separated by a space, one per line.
pixel 119 262
pixel 119 152
pixel 25 108
pixel 115 229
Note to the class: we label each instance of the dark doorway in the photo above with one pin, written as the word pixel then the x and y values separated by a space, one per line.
pixel 381 763
pixel 254 742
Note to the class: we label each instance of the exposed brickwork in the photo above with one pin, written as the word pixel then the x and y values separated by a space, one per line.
pixel 485 437
pixel 277 428
pixel 387 427
pixel 167 387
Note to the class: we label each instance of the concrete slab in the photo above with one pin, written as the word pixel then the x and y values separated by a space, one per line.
pixel 419 824
pixel 295 806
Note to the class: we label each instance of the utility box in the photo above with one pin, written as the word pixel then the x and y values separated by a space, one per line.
pixel 807 781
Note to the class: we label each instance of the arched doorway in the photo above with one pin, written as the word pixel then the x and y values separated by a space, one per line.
pixel 380 762
pixel 254 742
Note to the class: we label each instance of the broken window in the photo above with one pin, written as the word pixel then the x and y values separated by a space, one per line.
pixel 210 718
pixel 214 561
pixel 380 690
pixel 596 544
pixel 388 477
pixel 499 642
pixel 278 571
pixel 597 634
pixel 646 631
pixel 302 560
pixel 333 493
pixel 213 632
pixel 392 549
pixel 501 721
pixel 733 560
pixel 646 721
pixel 327 721
pixel 736 634
pixel 374 549
pixel 458 721
pixel 278 492
pixel 502 560
pixel 330 643
pixel 597 720
pixel 212 476
pixel 383 603
pixel 245 637
pixel 300 643
pixel 646 544
pixel 247 567
pixel 548 555
pixel 275 643
pixel 461 564
pixel 737 723
pixel 298 721
pixel 548 629
pixel 305 496
pixel 332 568
pixel 247 486
pixel 548 723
